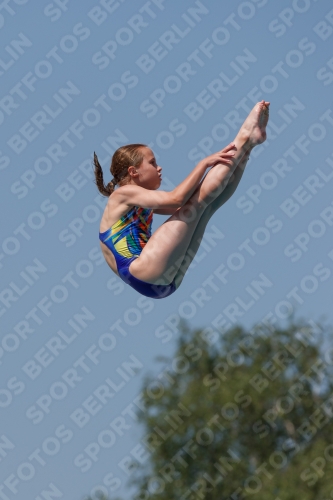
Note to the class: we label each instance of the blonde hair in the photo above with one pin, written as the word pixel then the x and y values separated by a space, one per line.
pixel 123 157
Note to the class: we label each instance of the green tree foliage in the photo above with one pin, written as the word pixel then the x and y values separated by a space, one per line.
pixel 238 416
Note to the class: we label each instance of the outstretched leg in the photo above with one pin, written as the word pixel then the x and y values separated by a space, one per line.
pixel 206 216
pixel 162 256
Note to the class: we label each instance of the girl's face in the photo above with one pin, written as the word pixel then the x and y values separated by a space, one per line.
pixel 149 173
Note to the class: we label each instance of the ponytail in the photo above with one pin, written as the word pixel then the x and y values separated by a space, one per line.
pixel 104 190
pixel 122 159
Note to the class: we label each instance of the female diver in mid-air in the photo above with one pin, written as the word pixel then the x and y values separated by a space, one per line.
pixel 155 265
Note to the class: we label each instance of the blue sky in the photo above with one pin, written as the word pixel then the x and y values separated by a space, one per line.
pixel 91 77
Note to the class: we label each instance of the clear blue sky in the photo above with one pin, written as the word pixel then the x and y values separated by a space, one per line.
pixel 180 76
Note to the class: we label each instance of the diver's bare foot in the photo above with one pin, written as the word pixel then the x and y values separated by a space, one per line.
pixel 254 127
pixel 264 116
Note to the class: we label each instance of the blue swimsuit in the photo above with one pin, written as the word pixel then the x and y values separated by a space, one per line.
pixel 126 239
